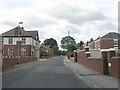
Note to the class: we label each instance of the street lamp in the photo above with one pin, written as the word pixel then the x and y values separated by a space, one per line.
pixel 18 43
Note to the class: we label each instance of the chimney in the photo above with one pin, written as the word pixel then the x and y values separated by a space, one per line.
pixel 22 28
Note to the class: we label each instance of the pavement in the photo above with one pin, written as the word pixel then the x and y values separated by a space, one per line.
pixel 91 77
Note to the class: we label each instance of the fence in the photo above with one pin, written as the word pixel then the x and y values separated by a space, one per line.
pixel 106 63
pixel 11 62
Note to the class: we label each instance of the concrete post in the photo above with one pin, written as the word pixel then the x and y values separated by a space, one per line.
pixel 87 54
pixel 86 48
pixel 111 53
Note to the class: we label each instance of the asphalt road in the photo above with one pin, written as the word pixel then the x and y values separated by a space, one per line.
pixel 50 73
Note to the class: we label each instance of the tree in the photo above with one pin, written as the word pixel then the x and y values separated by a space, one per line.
pixel 71 48
pixel 91 39
pixel 55 50
pixel 62 52
pixel 80 45
pixel 67 40
pixel 50 42
pixel 87 43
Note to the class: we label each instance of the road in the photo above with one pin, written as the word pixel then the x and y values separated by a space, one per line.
pixel 50 73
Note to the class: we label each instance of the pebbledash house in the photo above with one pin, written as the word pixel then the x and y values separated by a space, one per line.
pixel 20 46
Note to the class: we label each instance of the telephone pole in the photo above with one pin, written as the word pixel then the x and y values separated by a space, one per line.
pixel 68 33
pixel 18 43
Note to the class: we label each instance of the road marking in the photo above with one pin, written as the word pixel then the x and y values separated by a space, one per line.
pixel 42 59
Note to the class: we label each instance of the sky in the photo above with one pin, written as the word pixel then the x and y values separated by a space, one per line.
pixel 85 19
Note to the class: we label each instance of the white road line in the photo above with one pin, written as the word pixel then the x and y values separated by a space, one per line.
pixel 42 59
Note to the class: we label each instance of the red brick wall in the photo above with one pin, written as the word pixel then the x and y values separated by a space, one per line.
pixel 106 44
pixel 10 62
pixel 15 49
pixel 93 63
pixel 97 64
pixel 81 57
pixel 97 44
pixel 91 45
pixel 114 70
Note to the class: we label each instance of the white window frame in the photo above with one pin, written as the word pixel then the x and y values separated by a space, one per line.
pixel 23 40
pixel 115 42
pixel 32 52
pixel 23 51
pixel 10 51
pixel 10 40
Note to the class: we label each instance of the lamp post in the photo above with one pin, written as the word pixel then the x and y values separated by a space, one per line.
pixel 18 44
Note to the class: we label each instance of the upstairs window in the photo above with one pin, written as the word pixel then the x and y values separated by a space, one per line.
pixel 116 42
pixel 23 40
pixel 10 40
pixel 32 41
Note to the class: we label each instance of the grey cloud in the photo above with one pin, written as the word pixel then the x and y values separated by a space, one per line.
pixel 73 29
pixel 107 26
pixel 97 16
pixel 13 4
pixel 73 14
pixel 36 22
pixel 42 34
pixel 8 23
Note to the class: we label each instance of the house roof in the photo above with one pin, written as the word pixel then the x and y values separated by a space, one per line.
pixel 11 32
pixel 34 34
pixel 113 35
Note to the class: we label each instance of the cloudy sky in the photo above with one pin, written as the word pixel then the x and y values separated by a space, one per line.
pixel 54 18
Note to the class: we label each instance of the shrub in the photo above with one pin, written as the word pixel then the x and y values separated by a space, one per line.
pixel 118 53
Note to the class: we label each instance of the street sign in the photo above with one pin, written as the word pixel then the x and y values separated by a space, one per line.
pixel 18 44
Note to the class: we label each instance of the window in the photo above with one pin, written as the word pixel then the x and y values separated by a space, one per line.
pixel 23 51
pixel 23 40
pixel 36 43
pixel 32 41
pixel 32 52
pixel 10 40
pixel 116 42
pixel 10 52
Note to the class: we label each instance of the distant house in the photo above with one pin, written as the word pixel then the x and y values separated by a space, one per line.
pixel 18 43
pixel 116 37
pixel 110 40
pixel 45 52
pixel 101 54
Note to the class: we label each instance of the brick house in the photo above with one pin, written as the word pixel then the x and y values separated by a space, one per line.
pixel 101 43
pixel 45 52
pixel 116 38
pixel 110 40
pixel 100 55
pixel 20 45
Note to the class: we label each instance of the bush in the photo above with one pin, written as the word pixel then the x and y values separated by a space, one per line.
pixel 118 53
